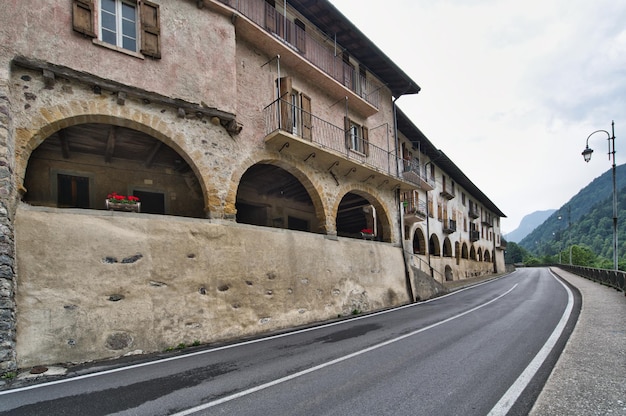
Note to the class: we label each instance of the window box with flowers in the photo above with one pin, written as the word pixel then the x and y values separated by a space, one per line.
pixel 115 202
pixel 367 234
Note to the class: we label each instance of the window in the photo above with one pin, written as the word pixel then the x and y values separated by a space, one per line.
pixel 131 25
pixel 118 23
pixel 295 110
pixel 356 137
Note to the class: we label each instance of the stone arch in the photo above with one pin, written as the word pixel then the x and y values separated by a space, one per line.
pixel 269 195
pixel 464 252
pixel 70 114
pixel 479 254
pixel 447 247
pixel 434 247
pixel 472 255
pixel 448 273
pixel 487 256
pixel 371 196
pixel 419 242
pixel 230 210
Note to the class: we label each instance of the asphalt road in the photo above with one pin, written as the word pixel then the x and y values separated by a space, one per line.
pixel 482 350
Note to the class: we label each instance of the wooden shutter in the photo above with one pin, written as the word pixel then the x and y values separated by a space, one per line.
pixel 150 29
pixel 346 127
pixel 82 17
pixel 307 124
pixel 284 93
pixel 366 141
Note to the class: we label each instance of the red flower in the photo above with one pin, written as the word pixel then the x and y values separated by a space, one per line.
pixel 367 231
pixel 114 197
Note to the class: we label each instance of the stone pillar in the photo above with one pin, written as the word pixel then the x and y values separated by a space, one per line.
pixel 7 247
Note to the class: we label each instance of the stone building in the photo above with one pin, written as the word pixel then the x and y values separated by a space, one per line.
pixel 278 182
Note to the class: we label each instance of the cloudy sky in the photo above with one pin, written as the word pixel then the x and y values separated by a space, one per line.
pixel 510 89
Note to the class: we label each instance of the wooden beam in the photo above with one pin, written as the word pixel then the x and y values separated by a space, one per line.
pixel 109 85
pixel 65 146
pixel 153 153
pixel 108 154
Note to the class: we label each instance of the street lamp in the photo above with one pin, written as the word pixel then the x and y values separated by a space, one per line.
pixel 587 156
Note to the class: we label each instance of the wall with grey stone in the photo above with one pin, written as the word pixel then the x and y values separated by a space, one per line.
pixel 7 248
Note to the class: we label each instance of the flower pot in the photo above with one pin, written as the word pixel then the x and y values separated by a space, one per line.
pixel 121 206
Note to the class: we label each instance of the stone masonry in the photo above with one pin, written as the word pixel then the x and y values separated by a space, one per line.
pixel 7 251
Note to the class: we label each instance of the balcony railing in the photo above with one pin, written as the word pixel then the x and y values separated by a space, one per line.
pixel 474 235
pixel 416 209
pixel 282 115
pixel 412 173
pixel 449 226
pixel 322 52
pixel 447 193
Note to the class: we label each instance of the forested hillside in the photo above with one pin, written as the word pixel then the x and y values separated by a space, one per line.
pixel 585 221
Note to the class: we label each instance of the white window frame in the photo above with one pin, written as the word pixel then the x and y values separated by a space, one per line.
pixel 356 138
pixel 119 20
pixel 296 112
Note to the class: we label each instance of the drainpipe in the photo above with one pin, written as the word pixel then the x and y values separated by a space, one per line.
pixel 407 274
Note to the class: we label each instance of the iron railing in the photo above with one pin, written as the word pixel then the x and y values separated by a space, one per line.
pixel 449 226
pixel 612 278
pixel 322 51
pixel 282 115
pixel 412 173
pixel 419 208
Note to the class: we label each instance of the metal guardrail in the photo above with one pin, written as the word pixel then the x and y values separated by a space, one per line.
pixel 611 278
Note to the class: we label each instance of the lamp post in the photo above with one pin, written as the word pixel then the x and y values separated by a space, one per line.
pixel 587 156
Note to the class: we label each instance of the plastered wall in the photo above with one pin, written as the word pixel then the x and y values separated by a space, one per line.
pixel 98 284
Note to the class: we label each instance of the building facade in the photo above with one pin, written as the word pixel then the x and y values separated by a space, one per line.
pixel 278 183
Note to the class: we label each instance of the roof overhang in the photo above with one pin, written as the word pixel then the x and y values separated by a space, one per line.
pixel 331 21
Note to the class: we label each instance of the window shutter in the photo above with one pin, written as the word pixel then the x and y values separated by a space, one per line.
pixel 366 141
pixel 82 17
pixel 346 127
pixel 284 92
pixel 150 29
pixel 307 120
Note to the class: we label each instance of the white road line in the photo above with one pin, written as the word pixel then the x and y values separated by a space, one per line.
pixel 333 362
pixel 512 394
pixel 224 347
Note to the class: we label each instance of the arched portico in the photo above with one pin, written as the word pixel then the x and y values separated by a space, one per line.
pixel 271 196
pixel 109 141
pixel 419 242
pixel 359 210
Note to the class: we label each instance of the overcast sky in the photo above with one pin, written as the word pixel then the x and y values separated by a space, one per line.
pixel 510 89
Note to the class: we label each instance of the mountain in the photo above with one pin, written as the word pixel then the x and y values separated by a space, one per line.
pixel 528 224
pixel 585 220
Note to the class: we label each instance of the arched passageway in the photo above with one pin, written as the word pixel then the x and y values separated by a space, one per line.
pixel 419 242
pixel 358 217
pixel 80 165
pixel 434 247
pixel 448 274
pixel 447 247
pixel 270 196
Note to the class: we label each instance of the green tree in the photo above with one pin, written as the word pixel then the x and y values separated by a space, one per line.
pixel 514 253
pixel 583 256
